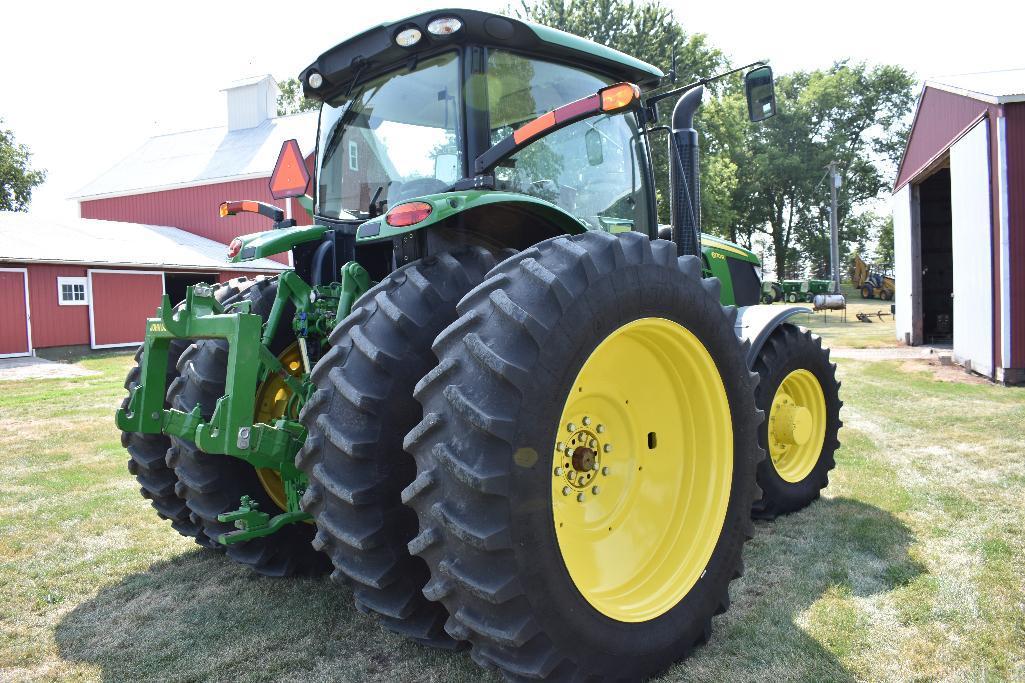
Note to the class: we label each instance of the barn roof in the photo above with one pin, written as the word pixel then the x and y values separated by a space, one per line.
pixel 205 156
pixel 997 87
pixel 28 238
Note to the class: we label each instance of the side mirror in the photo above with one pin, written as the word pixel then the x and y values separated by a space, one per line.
pixel 290 176
pixel 761 93
pixel 595 153
pixel 446 167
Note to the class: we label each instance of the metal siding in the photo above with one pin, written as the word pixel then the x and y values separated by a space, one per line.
pixel 972 249
pixel 53 324
pixel 902 263
pixel 941 117
pixel 121 302
pixel 13 313
pixel 1015 127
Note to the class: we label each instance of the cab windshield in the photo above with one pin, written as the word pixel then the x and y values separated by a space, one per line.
pixel 391 138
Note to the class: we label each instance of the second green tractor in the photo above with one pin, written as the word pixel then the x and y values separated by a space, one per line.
pixel 493 394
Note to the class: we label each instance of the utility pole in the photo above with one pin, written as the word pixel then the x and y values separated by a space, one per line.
pixel 834 230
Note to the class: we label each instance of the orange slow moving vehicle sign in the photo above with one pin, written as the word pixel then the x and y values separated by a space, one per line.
pixel 290 176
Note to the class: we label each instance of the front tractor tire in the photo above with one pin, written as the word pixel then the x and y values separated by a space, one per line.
pixel 586 460
pixel 147 453
pixel 212 484
pixel 355 422
pixel 800 397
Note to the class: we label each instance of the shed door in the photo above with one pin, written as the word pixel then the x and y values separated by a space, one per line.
pixel 15 339
pixel 972 244
pixel 121 300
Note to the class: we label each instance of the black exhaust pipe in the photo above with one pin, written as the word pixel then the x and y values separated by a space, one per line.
pixel 685 175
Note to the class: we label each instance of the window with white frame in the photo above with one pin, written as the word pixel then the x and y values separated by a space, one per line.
pixel 353 156
pixel 72 291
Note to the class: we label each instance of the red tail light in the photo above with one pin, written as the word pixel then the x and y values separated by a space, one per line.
pixel 234 248
pixel 409 213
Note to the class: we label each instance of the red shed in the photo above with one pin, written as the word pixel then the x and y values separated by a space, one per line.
pixel 959 223
pixel 91 283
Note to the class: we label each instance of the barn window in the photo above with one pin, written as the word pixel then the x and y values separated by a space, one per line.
pixel 353 156
pixel 72 291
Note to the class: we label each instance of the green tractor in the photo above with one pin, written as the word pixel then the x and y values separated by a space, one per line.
pixel 493 395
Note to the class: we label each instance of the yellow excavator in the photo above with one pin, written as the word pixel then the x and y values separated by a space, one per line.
pixel 873 285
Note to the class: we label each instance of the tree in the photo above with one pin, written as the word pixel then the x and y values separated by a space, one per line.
pixel 650 32
pixel 884 243
pixel 291 100
pixel 851 114
pixel 17 177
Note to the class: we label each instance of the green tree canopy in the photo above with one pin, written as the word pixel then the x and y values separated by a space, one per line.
pixel 17 177
pixel 849 113
pixel 291 100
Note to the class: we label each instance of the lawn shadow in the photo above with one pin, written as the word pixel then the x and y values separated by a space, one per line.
pixel 197 616
pixel 802 571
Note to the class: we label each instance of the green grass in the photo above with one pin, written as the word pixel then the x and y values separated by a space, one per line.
pixel 909 568
pixel 853 333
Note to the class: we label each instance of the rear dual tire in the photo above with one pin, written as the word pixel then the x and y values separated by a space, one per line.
pixel 488 491
pixel 356 420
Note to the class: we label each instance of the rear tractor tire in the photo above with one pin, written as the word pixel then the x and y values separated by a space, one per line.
pixel 147 452
pixel 800 397
pixel 212 484
pixel 355 422
pixel 586 460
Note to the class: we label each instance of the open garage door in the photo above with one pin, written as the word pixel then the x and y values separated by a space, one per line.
pixel 120 302
pixel 15 329
pixel 972 246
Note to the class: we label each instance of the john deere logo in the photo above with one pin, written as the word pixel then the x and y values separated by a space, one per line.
pixel 156 327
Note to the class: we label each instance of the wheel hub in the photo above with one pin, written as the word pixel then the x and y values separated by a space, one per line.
pixel 797 425
pixel 578 461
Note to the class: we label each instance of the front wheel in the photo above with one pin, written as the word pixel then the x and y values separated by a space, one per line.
pixel 586 460
pixel 792 297
pixel 799 395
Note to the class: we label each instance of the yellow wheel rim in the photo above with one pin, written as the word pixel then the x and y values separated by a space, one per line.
pixel 273 401
pixel 797 425
pixel 642 470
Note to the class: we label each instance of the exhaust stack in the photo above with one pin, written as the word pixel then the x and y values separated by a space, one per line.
pixel 685 175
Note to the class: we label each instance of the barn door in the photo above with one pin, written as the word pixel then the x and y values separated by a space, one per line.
pixel 972 244
pixel 15 330
pixel 120 301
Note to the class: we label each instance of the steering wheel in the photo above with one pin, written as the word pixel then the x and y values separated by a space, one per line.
pixel 416 188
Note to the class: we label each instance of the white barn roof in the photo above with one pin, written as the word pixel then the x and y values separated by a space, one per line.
pixel 201 157
pixel 998 87
pixel 28 238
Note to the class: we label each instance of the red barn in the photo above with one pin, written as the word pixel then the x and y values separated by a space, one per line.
pixel 959 223
pixel 93 282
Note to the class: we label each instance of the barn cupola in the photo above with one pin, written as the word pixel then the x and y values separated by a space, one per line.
pixel 251 101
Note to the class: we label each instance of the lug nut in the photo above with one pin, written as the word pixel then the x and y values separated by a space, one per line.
pixel 593 443
pixel 601 429
pixel 571 476
pixel 565 490
pixel 558 471
pixel 605 471
pixel 594 466
pixel 559 446
pixel 607 448
pixel 580 497
pixel 571 427
pixel 594 490
pixel 587 420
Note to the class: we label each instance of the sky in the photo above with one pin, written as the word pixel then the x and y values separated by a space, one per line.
pixel 83 84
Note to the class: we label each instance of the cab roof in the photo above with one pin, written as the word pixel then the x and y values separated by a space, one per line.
pixel 375 50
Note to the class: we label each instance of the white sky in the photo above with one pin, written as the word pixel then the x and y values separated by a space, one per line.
pixel 86 83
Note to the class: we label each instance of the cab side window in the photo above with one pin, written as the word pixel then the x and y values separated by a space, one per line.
pixel 593 169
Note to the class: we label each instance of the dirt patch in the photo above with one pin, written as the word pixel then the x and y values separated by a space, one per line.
pixel 14 369
pixel 943 372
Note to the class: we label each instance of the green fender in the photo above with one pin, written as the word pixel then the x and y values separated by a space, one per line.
pixel 263 244
pixel 446 205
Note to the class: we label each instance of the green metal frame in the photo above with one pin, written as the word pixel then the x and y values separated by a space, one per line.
pixel 231 429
